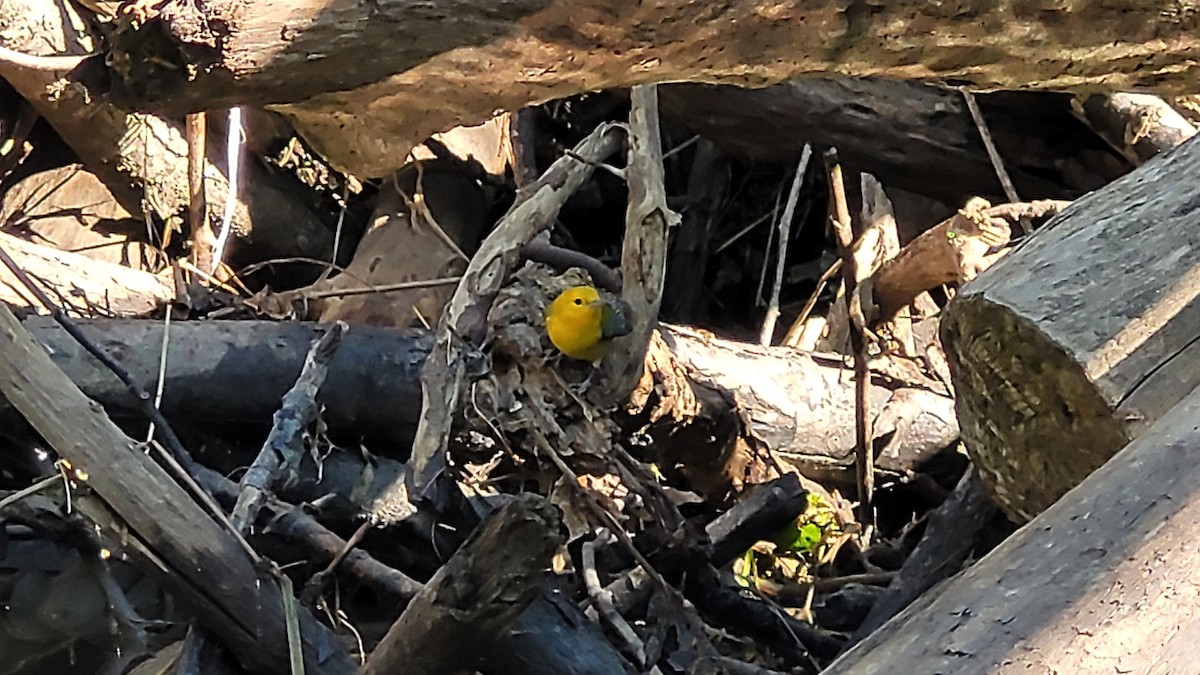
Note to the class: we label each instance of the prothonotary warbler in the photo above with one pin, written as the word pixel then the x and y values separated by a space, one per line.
pixel 582 325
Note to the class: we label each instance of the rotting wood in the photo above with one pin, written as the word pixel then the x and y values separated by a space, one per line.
pixel 141 507
pixel 1059 360
pixel 473 599
pixel 1113 568
pixel 365 82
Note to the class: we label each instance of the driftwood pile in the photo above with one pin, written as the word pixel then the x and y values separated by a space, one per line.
pixel 292 409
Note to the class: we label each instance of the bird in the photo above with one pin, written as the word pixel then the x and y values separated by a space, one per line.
pixel 582 325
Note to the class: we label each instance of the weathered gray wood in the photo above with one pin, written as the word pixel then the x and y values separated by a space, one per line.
pixel 231 372
pixel 366 81
pixel 1102 582
pixel 140 508
pixel 1083 336
pixel 85 286
pixel 473 599
pixel 800 405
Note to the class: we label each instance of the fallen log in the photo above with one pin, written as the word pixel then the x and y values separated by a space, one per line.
pixel 141 509
pixel 1082 337
pixel 1101 582
pixel 237 371
pixel 796 405
pixel 84 286
pixel 366 82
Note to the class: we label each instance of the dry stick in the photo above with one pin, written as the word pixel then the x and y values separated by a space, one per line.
pixel 464 320
pixel 285 444
pixel 785 232
pixel 381 288
pixel 143 397
pixel 864 461
pixel 294 523
pixel 25 492
pixel 792 339
pixel 603 602
pixel 203 239
pixel 1010 190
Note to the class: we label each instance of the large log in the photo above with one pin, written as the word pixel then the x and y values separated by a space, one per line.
pixel 235 372
pixel 367 81
pixel 1083 336
pixel 1102 582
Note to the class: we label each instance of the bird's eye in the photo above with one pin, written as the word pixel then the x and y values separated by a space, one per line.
pixel 579 301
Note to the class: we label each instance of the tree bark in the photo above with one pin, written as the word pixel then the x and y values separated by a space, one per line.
pixel 473 599
pixel 905 133
pixel 1082 337
pixel 142 158
pixel 367 81
pixel 140 508
pixel 235 372
pixel 1102 582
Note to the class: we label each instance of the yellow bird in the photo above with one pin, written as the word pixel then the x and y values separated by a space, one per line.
pixel 582 325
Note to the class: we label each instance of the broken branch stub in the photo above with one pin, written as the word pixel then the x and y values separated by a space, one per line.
pixel 473 599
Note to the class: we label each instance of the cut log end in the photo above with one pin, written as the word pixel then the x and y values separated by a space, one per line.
pixel 1033 437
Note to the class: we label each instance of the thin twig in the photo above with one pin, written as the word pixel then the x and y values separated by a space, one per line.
pixel 794 333
pixel 1010 190
pixel 25 492
pixel 171 441
pixel 602 601
pixel 381 288
pixel 417 206
pixel 316 585
pixel 162 368
pixel 203 239
pixel 863 452
pixel 785 233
